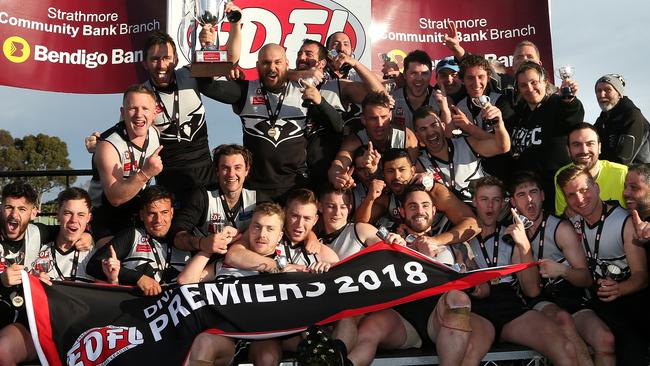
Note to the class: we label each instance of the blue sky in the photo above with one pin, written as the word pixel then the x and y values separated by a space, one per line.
pixel 597 37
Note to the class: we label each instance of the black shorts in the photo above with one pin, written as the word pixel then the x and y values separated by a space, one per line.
pixel 562 294
pixel 501 307
pixel 417 313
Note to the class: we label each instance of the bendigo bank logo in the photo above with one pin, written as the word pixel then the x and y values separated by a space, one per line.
pixel 99 346
pixel 288 23
pixel 16 49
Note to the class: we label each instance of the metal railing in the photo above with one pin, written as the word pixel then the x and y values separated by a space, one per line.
pixel 47 173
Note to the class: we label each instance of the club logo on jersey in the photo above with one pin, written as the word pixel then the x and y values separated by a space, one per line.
pixel 258 91
pixel 99 346
pixel 143 246
pixel 399 111
pixel 159 108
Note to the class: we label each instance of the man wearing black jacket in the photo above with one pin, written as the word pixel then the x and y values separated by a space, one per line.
pixel 621 126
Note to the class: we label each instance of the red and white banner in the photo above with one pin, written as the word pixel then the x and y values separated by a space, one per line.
pixel 90 46
pixel 93 46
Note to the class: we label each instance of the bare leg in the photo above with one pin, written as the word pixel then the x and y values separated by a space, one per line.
pixel 535 330
pixel 480 341
pixel 265 353
pixel 449 326
pixel 564 320
pixel 16 345
pixel 383 328
pixel 346 330
pixel 598 335
pixel 211 349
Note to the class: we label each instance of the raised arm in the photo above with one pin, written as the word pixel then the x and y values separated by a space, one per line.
pixel 117 189
pixel 465 224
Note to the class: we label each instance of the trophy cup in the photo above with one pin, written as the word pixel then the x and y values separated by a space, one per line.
pixel 389 82
pixel 210 61
pixel 304 83
pixel 345 68
pixel 566 73
pixel 483 101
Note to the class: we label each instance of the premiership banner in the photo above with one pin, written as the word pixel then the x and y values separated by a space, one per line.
pixel 79 324
pixel 492 28
pixel 90 46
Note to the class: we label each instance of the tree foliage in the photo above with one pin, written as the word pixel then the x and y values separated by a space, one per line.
pixel 40 152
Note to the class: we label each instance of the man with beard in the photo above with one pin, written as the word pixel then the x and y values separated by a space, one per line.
pixel 147 259
pixel 323 139
pixel 417 91
pixel 617 264
pixel 456 163
pixel 194 225
pixel 399 172
pixel 622 127
pixel 583 144
pixel 564 272
pixel 503 307
pixel 637 190
pixel 378 135
pixel 460 337
pixel 274 122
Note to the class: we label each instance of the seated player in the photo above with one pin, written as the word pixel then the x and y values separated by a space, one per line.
pixel 504 308
pixel 147 259
pixel 461 338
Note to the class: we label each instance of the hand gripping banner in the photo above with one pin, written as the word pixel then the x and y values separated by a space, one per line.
pixel 81 324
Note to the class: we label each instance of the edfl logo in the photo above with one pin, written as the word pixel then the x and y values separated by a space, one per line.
pixel 16 49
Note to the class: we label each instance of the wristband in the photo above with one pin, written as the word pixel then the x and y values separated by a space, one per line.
pixel 145 175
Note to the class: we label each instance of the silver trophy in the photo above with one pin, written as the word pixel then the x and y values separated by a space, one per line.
pixel 482 101
pixel 389 82
pixel 210 61
pixel 566 73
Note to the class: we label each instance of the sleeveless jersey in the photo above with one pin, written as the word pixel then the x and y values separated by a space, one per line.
pixel 466 167
pixel 347 242
pixel 59 265
pixel 473 112
pixel 282 143
pixel 131 157
pixel 295 254
pixel 238 219
pixel 185 138
pixel 397 139
pixel 610 246
pixel 165 260
pixel 504 255
pixel 403 111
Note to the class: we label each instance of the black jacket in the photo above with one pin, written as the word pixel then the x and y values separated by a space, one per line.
pixel 623 132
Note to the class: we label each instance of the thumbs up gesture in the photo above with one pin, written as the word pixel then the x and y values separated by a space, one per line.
pixel 153 165
pixel 111 267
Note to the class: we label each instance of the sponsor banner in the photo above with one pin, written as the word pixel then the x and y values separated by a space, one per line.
pixel 90 46
pixel 492 28
pixel 285 22
pixel 81 324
